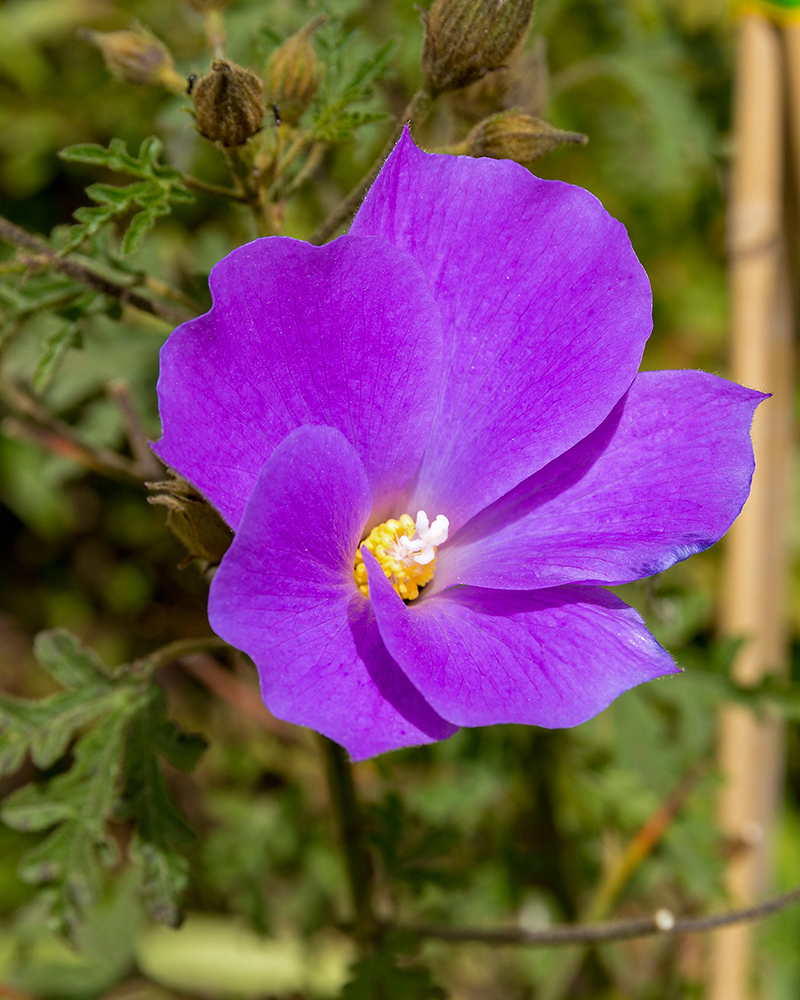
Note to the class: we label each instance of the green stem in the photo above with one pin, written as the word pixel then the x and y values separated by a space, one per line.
pixel 214 27
pixel 180 648
pixel 308 168
pixel 215 190
pixel 417 111
pixel 351 832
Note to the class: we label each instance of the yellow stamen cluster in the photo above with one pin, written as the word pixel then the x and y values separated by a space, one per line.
pixel 404 574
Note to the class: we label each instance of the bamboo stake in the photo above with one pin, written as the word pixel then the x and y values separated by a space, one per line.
pixel 754 583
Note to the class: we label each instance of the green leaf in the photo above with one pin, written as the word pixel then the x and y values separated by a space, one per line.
pixel 183 750
pixel 63 657
pixel 117 197
pixel 87 152
pixel 161 829
pixel 44 728
pixel 146 796
pixel 79 803
pixel 377 976
pixel 158 187
pixel 164 877
pixel 332 121
pixel 83 795
pixel 139 225
pixel 55 345
pixel 116 773
pixel 38 292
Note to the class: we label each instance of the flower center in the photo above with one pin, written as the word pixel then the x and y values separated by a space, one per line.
pixel 406 552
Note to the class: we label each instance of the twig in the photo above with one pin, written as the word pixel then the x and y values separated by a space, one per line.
pixel 59 438
pixel 215 190
pixel 617 876
pixel 166 291
pixel 661 922
pixel 241 696
pixel 83 275
pixel 308 168
pixel 149 465
pixel 64 447
pixel 416 111
pixel 348 817
pixel 214 27
pixel 182 647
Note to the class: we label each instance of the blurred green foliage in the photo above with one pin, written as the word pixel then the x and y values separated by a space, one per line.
pixel 503 825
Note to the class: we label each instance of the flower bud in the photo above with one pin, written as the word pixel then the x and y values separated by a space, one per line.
pixel 465 39
pixel 136 57
pixel 293 73
pixel 515 135
pixel 228 103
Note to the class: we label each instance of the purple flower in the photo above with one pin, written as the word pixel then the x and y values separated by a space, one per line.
pixel 470 349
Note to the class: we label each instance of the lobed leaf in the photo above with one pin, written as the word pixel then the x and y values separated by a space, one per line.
pixel 55 345
pixel 159 185
pixel 63 657
pixel 164 877
pixel 115 774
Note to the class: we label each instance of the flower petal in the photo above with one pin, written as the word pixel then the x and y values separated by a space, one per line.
pixel 345 335
pixel 548 658
pixel 662 478
pixel 545 307
pixel 285 594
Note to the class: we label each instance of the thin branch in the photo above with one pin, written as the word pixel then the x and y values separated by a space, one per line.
pixel 166 291
pixel 59 438
pixel 215 190
pixel 351 834
pixel 227 687
pixel 308 169
pixel 661 922
pixel 214 27
pixel 558 983
pixel 416 111
pixel 150 466
pixel 44 254
pixel 182 647
pixel 64 447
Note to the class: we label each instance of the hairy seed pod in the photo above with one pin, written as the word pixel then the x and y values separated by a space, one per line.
pixel 228 103
pixel 293 73
pixel 515 135
pixel 136 57
pixel 465 39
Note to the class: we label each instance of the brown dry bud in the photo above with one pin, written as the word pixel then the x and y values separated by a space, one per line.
pixel 465 39
pixel 136 57
pixel 293 73
pixel 192 520
pixel 515 135
pixel 228 103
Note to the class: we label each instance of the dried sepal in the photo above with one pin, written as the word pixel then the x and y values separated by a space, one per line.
pixel 192 520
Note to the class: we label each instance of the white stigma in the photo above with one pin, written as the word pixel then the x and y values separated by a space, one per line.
pixel 426 538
